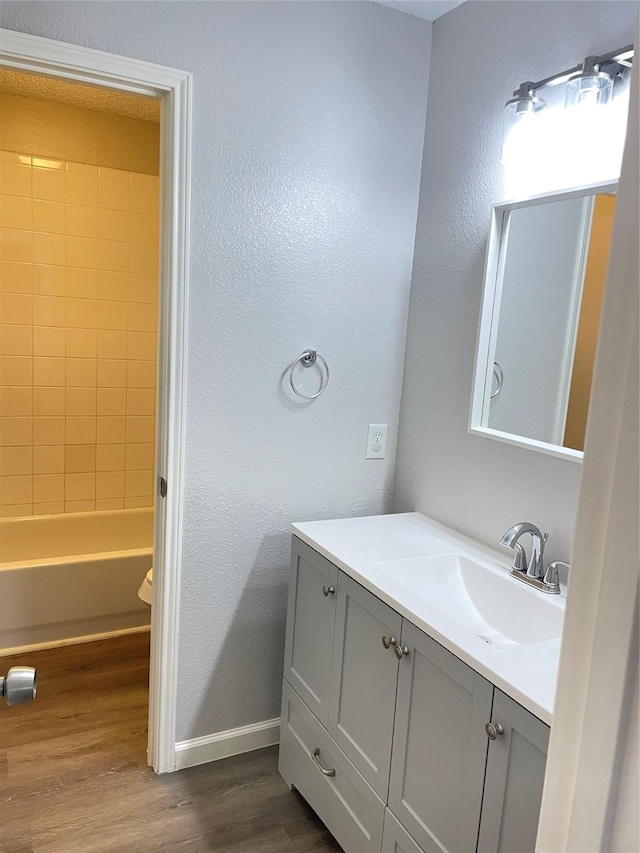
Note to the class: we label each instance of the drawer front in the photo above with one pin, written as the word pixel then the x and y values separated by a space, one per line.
pixel 344 801
pixel 395 838
pixel 310 625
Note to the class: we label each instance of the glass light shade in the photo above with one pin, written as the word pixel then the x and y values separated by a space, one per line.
pixel 594 89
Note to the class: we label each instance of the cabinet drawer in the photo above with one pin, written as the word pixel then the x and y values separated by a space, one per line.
pixel 345 802
pixel 395 838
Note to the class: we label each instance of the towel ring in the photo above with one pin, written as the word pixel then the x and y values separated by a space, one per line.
pixel 307 359
pixel 497 372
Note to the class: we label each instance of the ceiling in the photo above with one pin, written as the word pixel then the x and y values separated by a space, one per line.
pixel 427 9
pixel 79 95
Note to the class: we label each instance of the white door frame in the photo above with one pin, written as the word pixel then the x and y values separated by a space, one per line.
pixel 597 674
pixel 84 65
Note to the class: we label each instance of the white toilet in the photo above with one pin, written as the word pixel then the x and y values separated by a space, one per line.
pixel 145 593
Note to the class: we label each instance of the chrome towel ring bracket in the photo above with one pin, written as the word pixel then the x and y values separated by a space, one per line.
pixel 307 359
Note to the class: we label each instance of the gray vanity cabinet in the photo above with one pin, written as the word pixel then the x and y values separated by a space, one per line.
pixel 363 681
pixel 439 746
pixel 384 731
pixel 515 776
pixel 313 583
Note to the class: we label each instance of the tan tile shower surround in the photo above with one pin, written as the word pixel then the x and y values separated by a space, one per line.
pixel 78 308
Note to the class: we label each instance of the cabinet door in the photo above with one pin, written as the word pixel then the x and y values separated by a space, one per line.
pixel 310 623
pixel 439 746
pixel 515 776
pixel 363 681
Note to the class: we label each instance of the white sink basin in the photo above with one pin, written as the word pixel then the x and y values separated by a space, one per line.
pixel 497 609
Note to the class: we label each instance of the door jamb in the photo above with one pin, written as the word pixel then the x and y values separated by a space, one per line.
pixel 33 54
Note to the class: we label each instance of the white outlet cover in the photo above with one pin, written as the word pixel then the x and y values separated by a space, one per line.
pixel 376 441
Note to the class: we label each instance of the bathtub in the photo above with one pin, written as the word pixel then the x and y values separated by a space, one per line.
pixel 71 577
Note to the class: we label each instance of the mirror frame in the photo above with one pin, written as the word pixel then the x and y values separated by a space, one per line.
pixel 486 340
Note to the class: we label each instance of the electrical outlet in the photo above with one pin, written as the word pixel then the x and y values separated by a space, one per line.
pixel 376 441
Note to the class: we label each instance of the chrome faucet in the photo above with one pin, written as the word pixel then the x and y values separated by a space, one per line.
pixel 531 571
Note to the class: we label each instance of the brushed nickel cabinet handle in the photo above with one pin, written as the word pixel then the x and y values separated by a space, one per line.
pixel 328 589
pixel 323 770
pixel 387 642
pixel 493 730
pixel 401 651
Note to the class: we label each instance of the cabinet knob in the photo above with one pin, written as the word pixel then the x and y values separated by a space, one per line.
pixel 328 589
pixel 401 651
pixel 387 642
pixel 493 730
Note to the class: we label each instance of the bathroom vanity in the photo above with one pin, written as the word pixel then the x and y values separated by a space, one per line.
pixel 418 687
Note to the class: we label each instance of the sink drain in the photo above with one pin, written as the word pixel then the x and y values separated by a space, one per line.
pixel 484 639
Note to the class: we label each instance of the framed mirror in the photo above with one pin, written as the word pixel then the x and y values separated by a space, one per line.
pixel 545 274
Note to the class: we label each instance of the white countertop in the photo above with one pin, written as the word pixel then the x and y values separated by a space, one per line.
pixel 526 673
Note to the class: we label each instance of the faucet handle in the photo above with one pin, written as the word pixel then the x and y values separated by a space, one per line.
pixel 552 577
pixel 519 558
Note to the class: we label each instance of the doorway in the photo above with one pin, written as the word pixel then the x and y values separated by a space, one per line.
pixel 171 88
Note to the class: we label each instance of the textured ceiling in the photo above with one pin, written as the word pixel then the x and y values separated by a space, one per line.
pixel 427 9
pixel 79 95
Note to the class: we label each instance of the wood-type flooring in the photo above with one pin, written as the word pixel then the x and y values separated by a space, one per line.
pixel 74 776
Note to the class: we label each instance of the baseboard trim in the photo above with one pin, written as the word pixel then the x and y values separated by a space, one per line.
pixel 73 641
pixel 201 750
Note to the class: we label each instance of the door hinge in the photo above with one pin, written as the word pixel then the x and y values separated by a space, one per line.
pixel 163 487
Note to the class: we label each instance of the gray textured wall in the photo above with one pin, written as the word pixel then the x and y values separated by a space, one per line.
pixel 307 142
pixel 472 483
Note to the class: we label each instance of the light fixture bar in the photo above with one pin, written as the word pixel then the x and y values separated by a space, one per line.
pixel 622 56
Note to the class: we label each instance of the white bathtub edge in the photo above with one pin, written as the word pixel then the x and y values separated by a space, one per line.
pixel 72 641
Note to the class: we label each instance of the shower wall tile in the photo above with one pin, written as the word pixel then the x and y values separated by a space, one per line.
pixel 17 401
pixel 79 506
pixel 47 508
pixel 15 510
pixel 82 283
pixel 49 370
pixel 15 460
pixel 80 458
pixel 110 503
pixel 15 212
pixel 47 402
pixel 15 277
pixel 48 488
pixel 112 373
pixel 48 280
pixel 78 318
pixel 16 245
pixel 82 189
pixel 80 487
pixel 111 457
pixel 48 460
pixel 15 179
pixel 16 308
pixel 82 220
pixel 15 370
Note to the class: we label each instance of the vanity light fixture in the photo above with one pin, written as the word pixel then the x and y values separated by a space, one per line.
pixel 591 82
pixel 591 86
pixel 518 110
